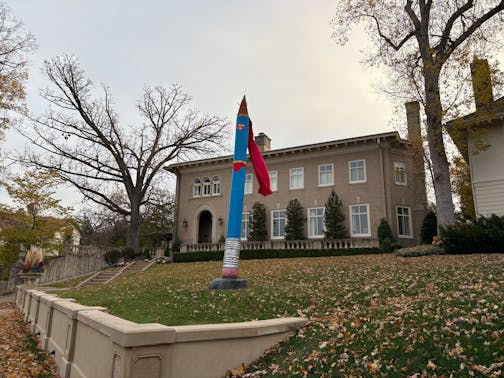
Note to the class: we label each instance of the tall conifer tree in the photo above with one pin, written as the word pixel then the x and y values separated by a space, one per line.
pixel 334 218
pixel 258 230
pixel 295 221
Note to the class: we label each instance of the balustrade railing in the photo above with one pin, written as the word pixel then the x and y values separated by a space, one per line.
pixel 286 244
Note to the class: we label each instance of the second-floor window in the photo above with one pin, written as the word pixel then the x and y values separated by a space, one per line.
pixel 357 171
pixel 278 222
pixel 325 174
pixel 400 173
pixel 296 178
pixel 216 186
pixel 207 187
pixel 196 188
pixel 273 180
pixel 248 183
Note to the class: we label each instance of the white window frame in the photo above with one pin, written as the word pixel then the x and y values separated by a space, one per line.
pixel 352 233
pixel 245 219
pixel 291 171
pixel 400 166
pixel 216 184
pixel 274 188
pixel 249 183
pixel 196 188
pixel 404 236
pixel 206 183
pixel 331 181
pixel 350 171
pixel 311 235
pixel 272 222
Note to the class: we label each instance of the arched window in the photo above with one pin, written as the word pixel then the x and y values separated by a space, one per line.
pixel 207 187
pixel 196 188
pixel 216 186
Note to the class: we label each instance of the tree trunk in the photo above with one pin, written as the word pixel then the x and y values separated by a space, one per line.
pixel 133 240
pixel 440 165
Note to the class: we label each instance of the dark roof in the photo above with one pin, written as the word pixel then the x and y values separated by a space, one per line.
pixel 392 135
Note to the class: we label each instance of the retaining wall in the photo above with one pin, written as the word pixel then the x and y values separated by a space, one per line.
pixel 88 342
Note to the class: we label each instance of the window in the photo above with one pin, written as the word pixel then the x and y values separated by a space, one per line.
pixel 248 183
pixel 278 222
pixel 207 187
pixel 245 226
pixel 296 178
pixel 316 222
pixel 216 186
pixel 196 188
pixel 400 173
pixel 360 220
pixel 325 175
pixel 357 171
pixel 273 180
pixel 403 222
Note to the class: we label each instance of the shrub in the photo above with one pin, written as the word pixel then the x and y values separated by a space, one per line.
pixel 112 256
pixel 385 237
pixel 129 253
pixel 420 250
pixel 485 235
pixel 273 254
pixel 429 227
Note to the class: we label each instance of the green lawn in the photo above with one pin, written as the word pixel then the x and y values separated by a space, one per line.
pixel 374 315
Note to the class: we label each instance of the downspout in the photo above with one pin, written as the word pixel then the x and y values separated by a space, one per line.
pixel 177 205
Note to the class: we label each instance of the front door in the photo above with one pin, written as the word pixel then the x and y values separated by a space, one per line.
pixel 205 227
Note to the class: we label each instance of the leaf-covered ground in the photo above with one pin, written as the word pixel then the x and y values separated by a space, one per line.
pixel 375 315
pixel 19 354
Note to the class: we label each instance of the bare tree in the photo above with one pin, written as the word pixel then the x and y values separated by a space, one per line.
pixel 15 43
pixel 116 167
pixel 424 45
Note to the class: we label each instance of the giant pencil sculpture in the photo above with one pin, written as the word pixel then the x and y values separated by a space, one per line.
pixel 244 139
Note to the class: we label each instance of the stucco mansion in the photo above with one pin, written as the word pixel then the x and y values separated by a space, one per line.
pixel 375 176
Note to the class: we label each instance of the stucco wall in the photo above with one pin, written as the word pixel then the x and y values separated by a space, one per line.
pixel 379 191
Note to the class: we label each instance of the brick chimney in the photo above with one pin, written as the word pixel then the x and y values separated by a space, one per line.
pixel 482 83
pixel 263 142
pixel 413 120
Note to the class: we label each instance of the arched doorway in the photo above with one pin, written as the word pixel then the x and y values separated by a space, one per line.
pixel 205 227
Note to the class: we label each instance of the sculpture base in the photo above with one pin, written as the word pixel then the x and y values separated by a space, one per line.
pixel 227 284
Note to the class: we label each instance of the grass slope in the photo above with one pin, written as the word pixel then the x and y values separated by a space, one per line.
pixel 375 315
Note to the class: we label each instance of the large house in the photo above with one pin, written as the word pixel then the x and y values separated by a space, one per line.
pixel 479 136
pixel 375 176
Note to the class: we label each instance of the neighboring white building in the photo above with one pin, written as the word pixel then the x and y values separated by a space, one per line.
pixel 483 128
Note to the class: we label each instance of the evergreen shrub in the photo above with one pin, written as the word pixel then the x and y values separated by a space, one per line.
pixel 485 235
pixel 429 228
pixel 334 218
pixel 294 229
pixel 385 236
pixel 112 256
pixel 258 229
pixel 129 253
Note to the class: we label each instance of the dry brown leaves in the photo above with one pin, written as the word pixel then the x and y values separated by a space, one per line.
pixel 19 357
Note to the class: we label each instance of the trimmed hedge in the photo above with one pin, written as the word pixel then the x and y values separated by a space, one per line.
pixel 273 254
pixel 419 250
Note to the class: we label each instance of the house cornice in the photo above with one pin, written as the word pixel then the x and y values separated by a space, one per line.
pixel 309 148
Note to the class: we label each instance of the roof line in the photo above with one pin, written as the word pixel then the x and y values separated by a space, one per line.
pixel 390 134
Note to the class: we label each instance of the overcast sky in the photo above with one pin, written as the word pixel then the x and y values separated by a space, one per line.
pixel 301 86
